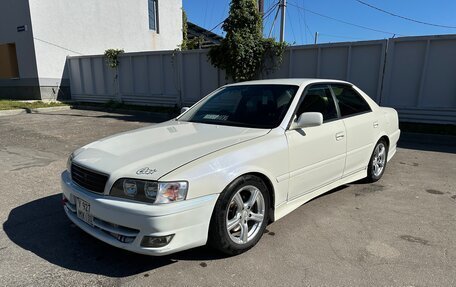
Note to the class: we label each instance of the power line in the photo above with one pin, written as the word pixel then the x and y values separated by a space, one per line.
pixel 270 10
pixel 403 17
pixel 291 25
pixel 342 21
pixel 215 27
pixel 312 35
pixel 55 45
pixel 205 13
pixel 266 14
pixel 305 23
pixel 273 22
pixel 300 26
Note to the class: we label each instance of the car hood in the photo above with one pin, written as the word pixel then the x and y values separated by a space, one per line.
pixel 154 151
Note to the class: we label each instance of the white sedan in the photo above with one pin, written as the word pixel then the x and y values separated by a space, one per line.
pixel 245 155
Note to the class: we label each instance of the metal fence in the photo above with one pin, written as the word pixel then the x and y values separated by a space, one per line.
pixel 415 75
pixel 420 78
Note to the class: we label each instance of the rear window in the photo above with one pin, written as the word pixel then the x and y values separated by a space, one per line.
pixel 349 101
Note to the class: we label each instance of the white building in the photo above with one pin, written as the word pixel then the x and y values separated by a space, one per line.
pixel 36 36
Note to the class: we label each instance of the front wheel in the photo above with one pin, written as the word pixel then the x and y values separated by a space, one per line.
pixel 240 215
pixel 377 163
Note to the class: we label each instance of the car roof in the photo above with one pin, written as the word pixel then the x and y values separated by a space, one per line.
pixel 288 81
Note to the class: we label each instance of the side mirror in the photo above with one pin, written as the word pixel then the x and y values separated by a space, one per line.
pixel 184 109
pixel 306 120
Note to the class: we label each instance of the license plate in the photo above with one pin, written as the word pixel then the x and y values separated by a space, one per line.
pixel 83 211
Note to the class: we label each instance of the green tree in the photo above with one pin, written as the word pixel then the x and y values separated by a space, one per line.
pixel 187 44
pixel 184 45
pixel 244 53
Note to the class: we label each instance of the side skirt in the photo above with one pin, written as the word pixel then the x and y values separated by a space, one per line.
pixel 289 206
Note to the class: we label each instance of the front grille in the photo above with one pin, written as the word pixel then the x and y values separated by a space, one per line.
pixel 88 179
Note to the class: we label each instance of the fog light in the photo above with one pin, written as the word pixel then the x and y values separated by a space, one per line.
pixel 156 241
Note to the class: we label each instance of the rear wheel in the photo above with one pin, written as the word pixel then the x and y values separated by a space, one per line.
pixel 377 163
pixel 240 216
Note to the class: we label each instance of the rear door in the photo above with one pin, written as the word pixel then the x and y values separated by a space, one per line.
pixel 316 154
pixel 360 126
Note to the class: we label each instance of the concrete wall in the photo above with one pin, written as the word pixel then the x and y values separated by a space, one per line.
pixel 15 13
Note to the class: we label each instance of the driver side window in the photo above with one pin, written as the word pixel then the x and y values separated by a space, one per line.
pixel 318 98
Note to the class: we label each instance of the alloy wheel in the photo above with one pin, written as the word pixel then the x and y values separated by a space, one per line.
pixel 246 214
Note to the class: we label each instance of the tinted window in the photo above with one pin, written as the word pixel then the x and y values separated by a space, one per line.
pixel 319 99
pixel 256 106
pixel 350 102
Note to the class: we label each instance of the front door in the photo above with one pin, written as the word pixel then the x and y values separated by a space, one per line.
pixel 316 154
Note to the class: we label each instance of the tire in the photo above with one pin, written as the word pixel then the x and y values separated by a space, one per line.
pixel 377 162
pixel 231 218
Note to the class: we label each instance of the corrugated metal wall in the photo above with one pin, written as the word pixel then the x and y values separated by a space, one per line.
pixel 357 62
pixel 418 76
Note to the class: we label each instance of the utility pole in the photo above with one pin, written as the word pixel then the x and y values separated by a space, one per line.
pixel 282 5
pixel 261 7
pixel 261 10
pixel 316 38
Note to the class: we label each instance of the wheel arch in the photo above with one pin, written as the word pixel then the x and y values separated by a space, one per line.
pixel 267 181
pixel 271 192
pixel 386 139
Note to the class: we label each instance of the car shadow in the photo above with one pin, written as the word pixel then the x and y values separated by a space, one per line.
pixel 334 190
pixel 42 227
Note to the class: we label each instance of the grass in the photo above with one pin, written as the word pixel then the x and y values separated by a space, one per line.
pixel 13 105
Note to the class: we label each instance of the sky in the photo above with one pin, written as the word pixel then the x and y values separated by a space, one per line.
pixel 302 21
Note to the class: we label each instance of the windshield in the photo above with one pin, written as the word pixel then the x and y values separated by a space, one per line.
pixel 255 106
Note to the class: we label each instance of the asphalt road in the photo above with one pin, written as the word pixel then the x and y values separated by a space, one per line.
pixel 400 231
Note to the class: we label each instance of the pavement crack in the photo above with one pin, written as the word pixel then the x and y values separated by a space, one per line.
pixel 414 239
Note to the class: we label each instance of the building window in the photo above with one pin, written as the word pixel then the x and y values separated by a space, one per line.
pixel 153 15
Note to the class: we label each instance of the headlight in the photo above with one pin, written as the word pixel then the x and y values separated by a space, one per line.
pixel 69 162
pixel 150 191
pixel 171 191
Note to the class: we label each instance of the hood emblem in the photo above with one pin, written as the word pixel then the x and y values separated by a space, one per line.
pixel 146 171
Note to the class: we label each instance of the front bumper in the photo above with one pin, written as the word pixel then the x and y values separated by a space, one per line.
pixel 124 223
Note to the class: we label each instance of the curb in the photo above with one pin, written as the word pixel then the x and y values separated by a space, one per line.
pixel 33 111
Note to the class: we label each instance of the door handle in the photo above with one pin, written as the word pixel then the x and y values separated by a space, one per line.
pixel 375 124
pixel 340 136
